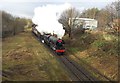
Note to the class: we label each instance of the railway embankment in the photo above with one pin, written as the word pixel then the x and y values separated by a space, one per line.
pixel 98 50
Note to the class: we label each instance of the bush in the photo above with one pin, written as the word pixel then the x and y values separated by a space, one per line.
pixel 99 44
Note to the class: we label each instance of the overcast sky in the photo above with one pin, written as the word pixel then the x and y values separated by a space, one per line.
pixel 25 8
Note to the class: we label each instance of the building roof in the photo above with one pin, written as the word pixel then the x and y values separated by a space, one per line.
pixel 86 19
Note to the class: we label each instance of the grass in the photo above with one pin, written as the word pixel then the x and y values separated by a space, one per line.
pixel 100 50
pixel 99 44
pixel 24 58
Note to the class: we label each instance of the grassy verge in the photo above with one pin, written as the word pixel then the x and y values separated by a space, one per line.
pixel 99 50
pixel 24 58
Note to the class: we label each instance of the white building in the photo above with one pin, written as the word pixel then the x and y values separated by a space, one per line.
pixel 86 23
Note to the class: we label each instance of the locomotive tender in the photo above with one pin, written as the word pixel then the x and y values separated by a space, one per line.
pixel 53 42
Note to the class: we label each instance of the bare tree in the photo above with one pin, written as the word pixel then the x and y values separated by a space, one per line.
pixel 114 9
pixel 67 19
pixel 12 25
pixel 90 13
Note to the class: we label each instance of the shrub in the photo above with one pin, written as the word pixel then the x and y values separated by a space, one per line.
pixel 99 44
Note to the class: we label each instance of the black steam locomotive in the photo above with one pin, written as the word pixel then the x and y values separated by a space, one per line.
pixel 53 42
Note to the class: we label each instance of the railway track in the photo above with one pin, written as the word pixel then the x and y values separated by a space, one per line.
pixel 95 70
pixel 78 71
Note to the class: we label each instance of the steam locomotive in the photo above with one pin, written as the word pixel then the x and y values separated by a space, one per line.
pixel 52 41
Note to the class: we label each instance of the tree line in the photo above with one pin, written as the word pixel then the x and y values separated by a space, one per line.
pixel 12 25
pixel 108 18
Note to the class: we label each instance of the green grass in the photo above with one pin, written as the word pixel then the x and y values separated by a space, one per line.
pixel 26 59
pixel 109 37
pixel 99 44
pixel 73 49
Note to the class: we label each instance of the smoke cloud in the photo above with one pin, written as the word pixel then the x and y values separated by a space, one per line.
pixel 46 17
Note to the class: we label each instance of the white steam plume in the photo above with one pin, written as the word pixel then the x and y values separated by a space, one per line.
pixel 46 17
